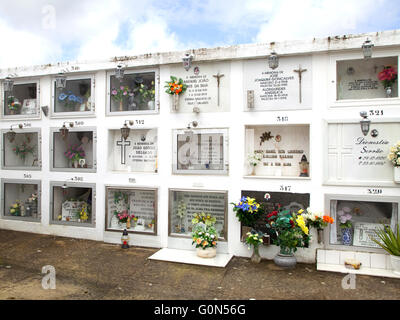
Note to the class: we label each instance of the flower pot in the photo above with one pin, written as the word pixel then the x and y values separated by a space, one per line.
pixel 12 112
pixel 320 233
pixel 347 236
pixel 150 105
pixel 253 170
pixel 388 92
pixel 396 174
pixel 207 252
pixel 121 106
pixel 122 225
pixel 175 102
pixel 395 260
pixel 286 261
pixel 75 164
pixel 256 258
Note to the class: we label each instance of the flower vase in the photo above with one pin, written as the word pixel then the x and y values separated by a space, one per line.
pixel 121 106
pixel 347 236
pixel 207 252
pixel 320 233
pixel 388 91
pixel 175 102
pixel 150 105
pixel 122 225
pixel 396 174
pixel 75 164
pixel 253 170
pixel 12 112
pixel 285 259
pixel 256 258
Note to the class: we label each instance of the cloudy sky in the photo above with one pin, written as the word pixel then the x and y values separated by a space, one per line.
pixel 46 31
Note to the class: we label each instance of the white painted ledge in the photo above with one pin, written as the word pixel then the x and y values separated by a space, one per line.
pixel 361 271
pixel 190 257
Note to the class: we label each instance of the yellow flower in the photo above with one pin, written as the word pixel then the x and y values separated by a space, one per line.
pixel 301 211
pixel 12 210
pixel 15 205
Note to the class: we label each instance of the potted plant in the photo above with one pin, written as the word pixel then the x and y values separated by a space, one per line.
pixel 119 94
pixel 388 77
pixel 346 226
pixel 390 241
pixel 394 157
pixel 254 159
pixel 254 239
pixel 289 232
pixel 248 211
pixel 204 235
pixel 318 221
pixel 175 87
pixel 13 104
pixel 75 153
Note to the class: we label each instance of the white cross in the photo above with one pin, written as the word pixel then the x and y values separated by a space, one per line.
pixel 123 144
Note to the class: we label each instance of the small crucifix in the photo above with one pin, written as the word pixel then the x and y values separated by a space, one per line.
pixel 123 144
pixel 300 71
pixel 218 76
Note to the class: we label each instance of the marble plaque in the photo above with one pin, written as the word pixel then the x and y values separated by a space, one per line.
pixel 358 79
pixel 203 90
pixel 355 158
pixel 281 88
pixel 138 153
pixel 363 233
pixel 200 151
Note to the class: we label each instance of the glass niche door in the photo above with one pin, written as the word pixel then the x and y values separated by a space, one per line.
pixel 23 101
pixel 21 149
pixel 76 99
pixel 185 204
pixel 135 93
pixel 133 209
pixel 75 151
pixel 73 204
pixel 20 200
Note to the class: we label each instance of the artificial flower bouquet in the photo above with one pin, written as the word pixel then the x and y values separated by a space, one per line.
pixel 74 152
pixel 204 236
pixel 316 219
pixel 15 209
pixel 124 216
pixel 345 219
pixel 202 217
pixel 254 158
pixel 118 94
pixel 387 76
pixel 23 150
pixel 253 239
pixel 13 103
pixel 175 86
pixel 248 211
pixel 289 230
pixel 394 155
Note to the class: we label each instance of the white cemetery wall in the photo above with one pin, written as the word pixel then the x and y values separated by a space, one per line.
pixel 317 77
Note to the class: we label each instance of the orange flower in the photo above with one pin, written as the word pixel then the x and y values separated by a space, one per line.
pixel 214 243
pixel 204 243
pixel 328 219
pixel 198 241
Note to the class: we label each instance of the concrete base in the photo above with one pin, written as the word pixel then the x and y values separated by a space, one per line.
pixel 190 257
pixel 361 271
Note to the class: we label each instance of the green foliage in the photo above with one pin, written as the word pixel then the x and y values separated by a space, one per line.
pixel 204 236
pixel 254 239
pixel 388 240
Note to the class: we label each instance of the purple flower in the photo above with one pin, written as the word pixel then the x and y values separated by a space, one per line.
pixel 114 92
pixel 125 93
pixel 121 87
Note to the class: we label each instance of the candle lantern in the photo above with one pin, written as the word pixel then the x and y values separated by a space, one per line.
pixel 8 84
pixel 187 61
pixel 119 72
pixel 125 129
pixel 364 123
pixel 367 49
pixel 61 81
pixel 125 240
pixel 64 130
pixel 304 165
pixel 273 60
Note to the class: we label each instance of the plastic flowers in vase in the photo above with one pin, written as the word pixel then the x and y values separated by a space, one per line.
pixel 13 104
pixel 23 150
pixel 181 213
pixel 75 153
pixel 119 94
pixel 146 94
pixel 248 211
pixel 288 230
pixel 15 209
pixel 254 239
pixel 254 159
pixel 84 213
pixel 124 216
pixel 316 220
pixel 346 226
pixel 205 236
pixel 388 77
pixel 175 87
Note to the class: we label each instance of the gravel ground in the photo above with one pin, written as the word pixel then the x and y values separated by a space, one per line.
pixel 95 270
